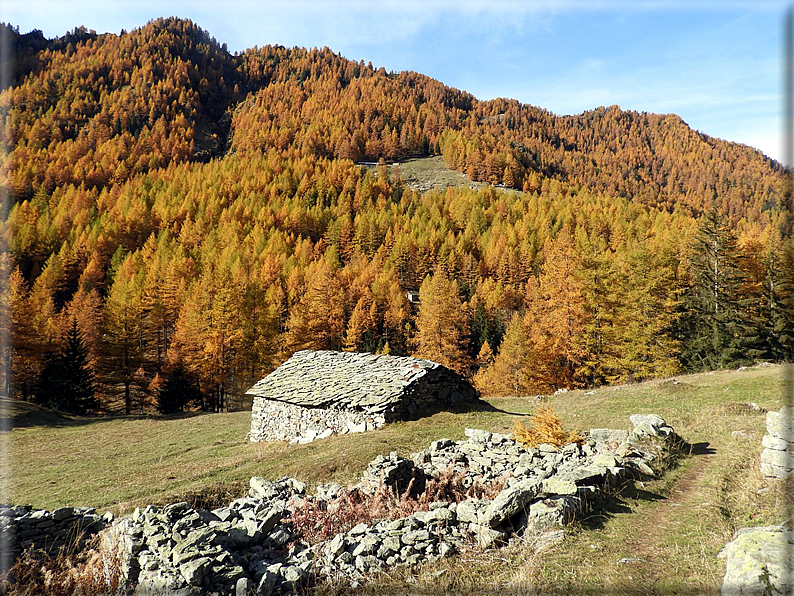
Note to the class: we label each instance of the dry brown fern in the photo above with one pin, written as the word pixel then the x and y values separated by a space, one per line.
pixel 544 427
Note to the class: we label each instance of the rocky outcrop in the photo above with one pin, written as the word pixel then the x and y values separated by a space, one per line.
pixel 318 393
pixel 759 562
pixel 777 458
pixel 21 527
pixel 251 547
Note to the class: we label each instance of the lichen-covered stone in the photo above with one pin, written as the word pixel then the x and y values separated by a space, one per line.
pixel 510 502
pixel 759 562
pixel 777 458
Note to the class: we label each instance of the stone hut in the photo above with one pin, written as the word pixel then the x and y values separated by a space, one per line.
pixel 315 394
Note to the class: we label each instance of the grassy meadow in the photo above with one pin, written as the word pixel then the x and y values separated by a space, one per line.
pixel 670 529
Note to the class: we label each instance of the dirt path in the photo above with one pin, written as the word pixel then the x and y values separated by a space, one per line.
pixel 663 536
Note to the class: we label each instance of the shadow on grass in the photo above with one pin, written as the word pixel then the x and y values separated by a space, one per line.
pixel 702 448
pixel 609 507
pixel 470 407
pixel 27 415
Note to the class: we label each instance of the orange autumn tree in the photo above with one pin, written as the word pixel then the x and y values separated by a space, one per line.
pixel 442 325
pixel 556 314
pixel 511 372
pixel 208 337
pixel 317 321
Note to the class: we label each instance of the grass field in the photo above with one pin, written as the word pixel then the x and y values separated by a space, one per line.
pixel 428 173
pixel 674 526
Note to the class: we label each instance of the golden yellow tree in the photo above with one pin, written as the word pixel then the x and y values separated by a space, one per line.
pixel 442 325
pixel 317 321
pixel 556 314
pixel 511 372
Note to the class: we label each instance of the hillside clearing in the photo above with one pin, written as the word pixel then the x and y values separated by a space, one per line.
pixel 432 173
pixel 668 531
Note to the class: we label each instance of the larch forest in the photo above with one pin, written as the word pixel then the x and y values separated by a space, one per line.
pixel 181 219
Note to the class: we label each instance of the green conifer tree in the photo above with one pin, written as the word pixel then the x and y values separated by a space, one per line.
pixel 67 381
pixel 714 331
pixel 178 391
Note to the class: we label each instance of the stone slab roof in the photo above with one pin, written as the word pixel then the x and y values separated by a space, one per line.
pixel 318 379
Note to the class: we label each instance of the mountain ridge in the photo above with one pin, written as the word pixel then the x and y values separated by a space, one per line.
pixel 95 109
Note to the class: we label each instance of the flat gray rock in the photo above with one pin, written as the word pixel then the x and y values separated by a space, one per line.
pixel 510 502
pixel 758 562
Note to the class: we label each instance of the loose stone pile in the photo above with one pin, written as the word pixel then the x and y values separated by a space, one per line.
pixel 318 393
pixel 250 546
pixel 22 526
pixel 777 458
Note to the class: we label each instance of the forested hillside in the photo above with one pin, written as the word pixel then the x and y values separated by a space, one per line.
pixel 183 219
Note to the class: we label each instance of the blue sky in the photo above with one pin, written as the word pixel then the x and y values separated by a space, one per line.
pixel 716 64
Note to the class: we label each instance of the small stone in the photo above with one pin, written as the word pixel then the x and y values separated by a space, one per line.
pixel 353 427
pixel 244 587
pixel 488 537
pixel 368 545
pixel 266 584
pixel 225 513
pixel 781 424
pixel 558 486
pixel 477 436
pixel 62 513
pixel 548 539
pixel 194 571
pixel 292 574
pixel 469 511
pixel 335 546
pixel 776 443
pixel 781 459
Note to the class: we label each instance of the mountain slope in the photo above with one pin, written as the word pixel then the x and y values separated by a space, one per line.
pixel 94 109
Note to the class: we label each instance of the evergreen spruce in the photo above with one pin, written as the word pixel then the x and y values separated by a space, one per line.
pixel 777 306
pixel 67 381
pixel 178 391
pixel 715 330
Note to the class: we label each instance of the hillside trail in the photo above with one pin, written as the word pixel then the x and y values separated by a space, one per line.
pixel 664 532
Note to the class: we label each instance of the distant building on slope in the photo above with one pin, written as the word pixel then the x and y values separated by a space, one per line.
pixel 315 394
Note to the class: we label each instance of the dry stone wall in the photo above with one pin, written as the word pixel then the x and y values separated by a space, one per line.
pixel 250 547
pixel 279 421
pixel 777 458
pixel 21 527
pixel 759 561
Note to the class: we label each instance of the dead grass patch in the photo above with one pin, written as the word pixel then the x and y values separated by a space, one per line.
pixel 544 427
pixel 70 572
pixel 740 409
pixel 315 521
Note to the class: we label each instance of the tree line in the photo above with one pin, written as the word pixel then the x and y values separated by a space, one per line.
pixel 207 276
